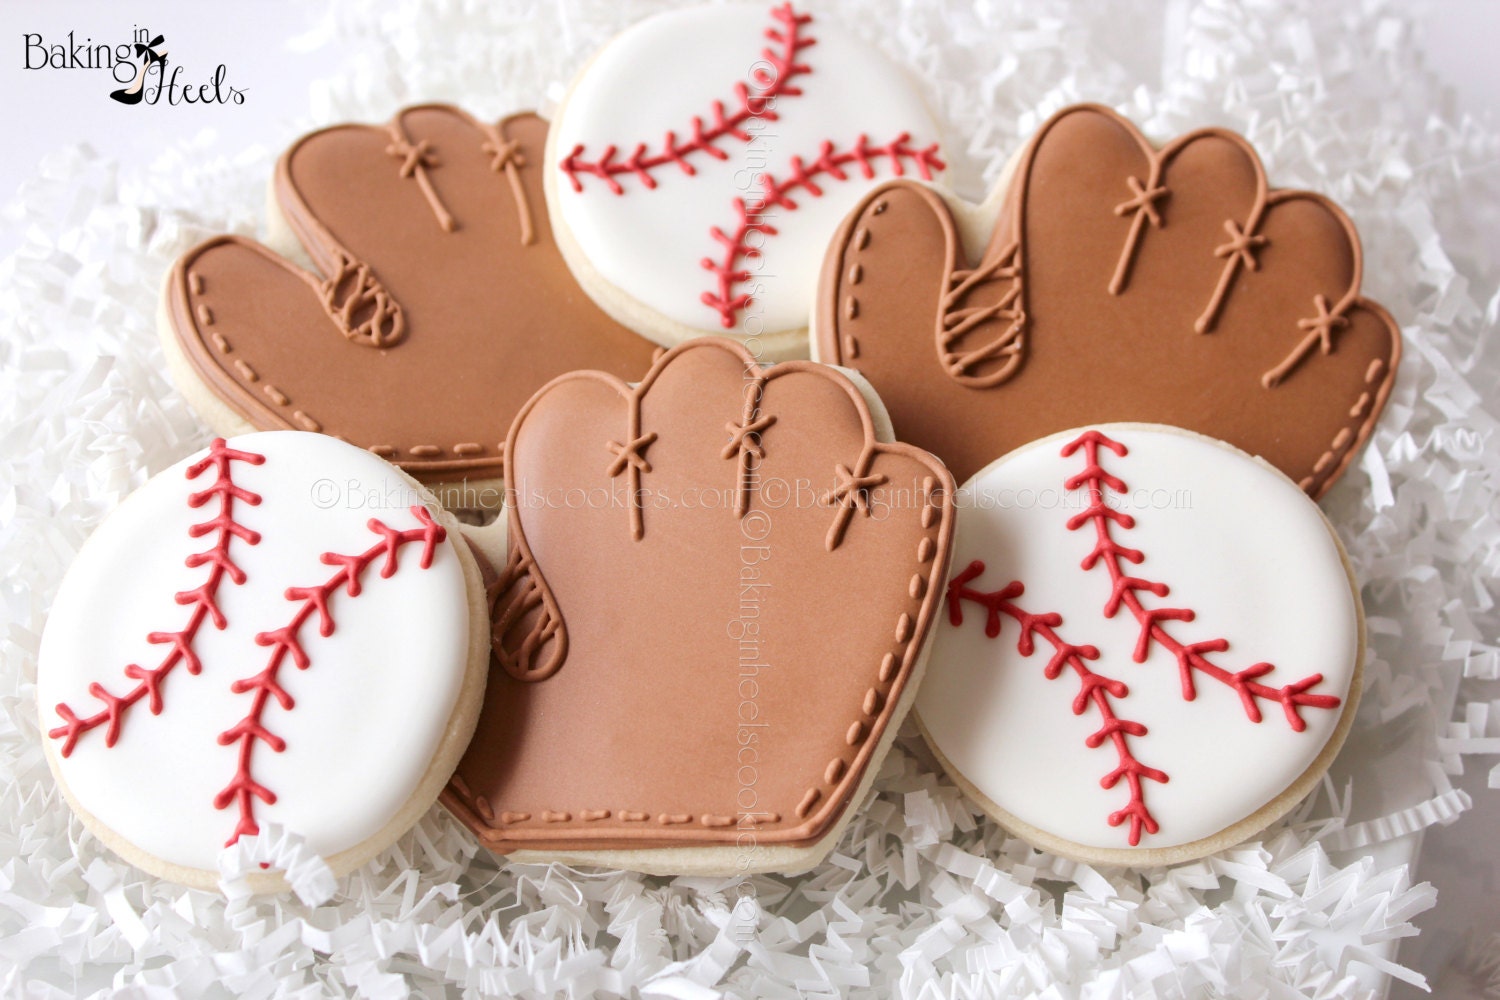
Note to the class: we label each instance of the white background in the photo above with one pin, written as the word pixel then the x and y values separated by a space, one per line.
pixel 272 50
pixel 49 108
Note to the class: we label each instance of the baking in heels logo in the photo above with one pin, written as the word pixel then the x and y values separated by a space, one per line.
pixel 141 64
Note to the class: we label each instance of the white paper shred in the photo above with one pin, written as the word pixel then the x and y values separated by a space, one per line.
pixel 279 850
pixel 923 895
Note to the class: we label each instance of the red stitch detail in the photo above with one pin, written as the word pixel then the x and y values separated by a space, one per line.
pixel 243 789
pixel 769 83
pixel 1126 591
pixel 1093 687
pixel 830 163
pixel 203 598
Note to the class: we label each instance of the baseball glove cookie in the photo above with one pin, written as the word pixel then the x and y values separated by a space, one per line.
pixel 1120 282
pixel 428 304
pixel 712 621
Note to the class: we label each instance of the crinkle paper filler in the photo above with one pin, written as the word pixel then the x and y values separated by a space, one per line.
pixel 924 896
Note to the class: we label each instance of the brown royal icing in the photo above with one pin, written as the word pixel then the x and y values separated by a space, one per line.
pixel 1121 282
pixel 720 657
pixel 440 304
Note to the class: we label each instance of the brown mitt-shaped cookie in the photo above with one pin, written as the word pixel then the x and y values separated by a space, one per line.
pixel 439 304
pixel 1121 282
pixel 719 589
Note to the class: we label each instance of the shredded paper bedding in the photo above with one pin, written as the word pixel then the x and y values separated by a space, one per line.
pixel 923 896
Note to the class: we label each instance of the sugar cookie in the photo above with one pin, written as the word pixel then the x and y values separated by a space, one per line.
pixel 282 628
pixel 712 621
pixel 1120 282
pixel 412 298
pixel 702 159
pixel 1152 645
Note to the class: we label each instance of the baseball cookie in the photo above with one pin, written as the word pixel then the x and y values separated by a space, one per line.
pixel 712 621
pixel 426 305
pixel 280 629
pixel 1120 282
pixel 703 158
pixel 1152 645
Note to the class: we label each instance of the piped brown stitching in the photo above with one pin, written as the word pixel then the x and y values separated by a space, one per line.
pixel 1346 436
pixel 1240 250
pixel 416 160
pixel 874 699
pixel 515 595
pixel 631 457
pixel 745 443
pixel 850 493
pixel 710 821
pixel 1141 207
pixel 506 157
pixel 955 322
pixel 1319 335
pixel 359 305
pixel 1374 371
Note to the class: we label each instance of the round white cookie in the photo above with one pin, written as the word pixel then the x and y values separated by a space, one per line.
pixel 281 629
pixel 704 157
pixel 1152 645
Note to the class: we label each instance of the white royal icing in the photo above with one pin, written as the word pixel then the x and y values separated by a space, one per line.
pixel 660 74
pixel 369 711
pixel 1236 542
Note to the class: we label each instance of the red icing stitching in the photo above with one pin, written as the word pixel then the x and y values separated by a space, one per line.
pixel 1126 592
pixel 284 641
pixel 770 83
pixel 829 163
pixel 203 599
pixel 1093 687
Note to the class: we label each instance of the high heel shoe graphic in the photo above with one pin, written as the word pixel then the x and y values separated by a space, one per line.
pixel 151 54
